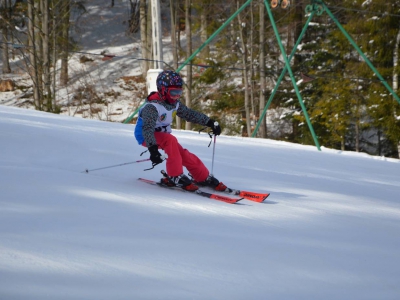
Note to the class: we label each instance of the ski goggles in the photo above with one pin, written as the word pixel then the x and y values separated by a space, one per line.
pixel 174 93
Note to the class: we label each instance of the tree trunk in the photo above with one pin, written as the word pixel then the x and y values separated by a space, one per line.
pixel 357 129
pixel 205 53
pixel 64 32
pixel 299 12
pixel 149 48
pixel 379 143
pixel 4 31
pixel 253 110
pixel 395 74
pixel 46 56
pixel 54 61
pixel 263 128
pixel 173 33
pixel 143 37
pixel 245 76
pixel 39 49
pixel 188 29
pixel 174 46
pixel 6 61
pixel 398 148
pixel 32 54
pixel 298 23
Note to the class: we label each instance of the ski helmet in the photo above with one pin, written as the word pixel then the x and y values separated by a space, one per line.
pixel 167 80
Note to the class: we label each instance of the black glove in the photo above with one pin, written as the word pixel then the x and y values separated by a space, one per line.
pixel 155 156
pixel 214 126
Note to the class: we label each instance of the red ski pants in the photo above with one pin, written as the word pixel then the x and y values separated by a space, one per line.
pixel 178 157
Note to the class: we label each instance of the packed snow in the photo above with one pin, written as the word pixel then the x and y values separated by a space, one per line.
pixel 329 230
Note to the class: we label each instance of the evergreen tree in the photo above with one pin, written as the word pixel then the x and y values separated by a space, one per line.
pixel 347 95
pixel 376 35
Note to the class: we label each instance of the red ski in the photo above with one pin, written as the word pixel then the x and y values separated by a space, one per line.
pixel 252 196
pixel 197 192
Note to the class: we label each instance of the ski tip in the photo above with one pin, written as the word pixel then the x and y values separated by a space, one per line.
pixel 147 180
pixel 256 197
pixel 264 198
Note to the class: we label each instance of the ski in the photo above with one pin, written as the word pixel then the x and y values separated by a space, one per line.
pixel 252 196
pixel 197 192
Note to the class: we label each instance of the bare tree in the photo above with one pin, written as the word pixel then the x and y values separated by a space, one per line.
pixel 244 54
pixel 263 127
pixel 5 17
pixel 48 27
pixel 134 21
pixel 143 37
pixel 173 12
pixel 395 73
pixel 46 55
pixel 149 46
pixel 174 6
pixel 251 75
pixel 64 13
pixel 204 16
pixel 33 68
pixel 188 29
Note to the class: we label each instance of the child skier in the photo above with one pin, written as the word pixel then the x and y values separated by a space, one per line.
pixel 153 130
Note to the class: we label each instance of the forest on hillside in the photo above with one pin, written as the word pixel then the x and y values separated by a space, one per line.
pixel 239 77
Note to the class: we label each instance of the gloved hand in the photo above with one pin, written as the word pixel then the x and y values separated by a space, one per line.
pixel 214 126
pixel 155 156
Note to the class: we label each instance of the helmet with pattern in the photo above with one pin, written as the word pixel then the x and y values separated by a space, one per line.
pixel 169 85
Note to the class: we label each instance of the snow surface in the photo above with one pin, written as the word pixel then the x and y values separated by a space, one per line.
pixel 329 230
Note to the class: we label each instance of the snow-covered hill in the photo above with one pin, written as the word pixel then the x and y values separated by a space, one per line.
pixel 329 230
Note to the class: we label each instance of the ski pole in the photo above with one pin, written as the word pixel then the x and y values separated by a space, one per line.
pixel 113 166
pixel 163 157
pixel 213 155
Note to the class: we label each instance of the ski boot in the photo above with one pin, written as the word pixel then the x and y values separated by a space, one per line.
pixel 181 181
pixel 214 183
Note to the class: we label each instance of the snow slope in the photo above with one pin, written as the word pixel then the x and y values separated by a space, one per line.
pixel 329 230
